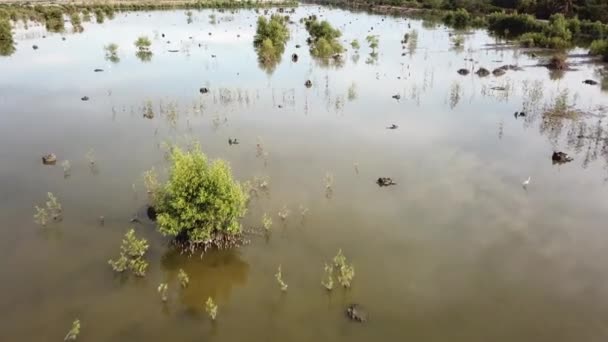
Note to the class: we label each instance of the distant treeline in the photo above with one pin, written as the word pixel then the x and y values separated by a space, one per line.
pixel 593 10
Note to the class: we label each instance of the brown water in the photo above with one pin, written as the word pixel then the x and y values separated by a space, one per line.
pixel 457 251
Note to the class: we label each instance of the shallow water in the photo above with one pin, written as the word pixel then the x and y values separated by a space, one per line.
pixel 457 250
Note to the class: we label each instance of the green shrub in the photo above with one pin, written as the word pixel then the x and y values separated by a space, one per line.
pixel 599 48
pixel 132 251
pixel 270 38
pixel 458 19
pixel 323 38
pixel 143 43
pixel 201 203
pixel 53 17
pixel 513 24
pixel 99 15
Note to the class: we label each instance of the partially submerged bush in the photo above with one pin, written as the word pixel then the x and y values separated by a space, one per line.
pixel 143 43
pixel 7 45
pixel 270 38
pixel 558 62
pixel 53 17
pixel 323 38
pixel 112 53
pixel 201 204
pixel 599 48
pixel 458 19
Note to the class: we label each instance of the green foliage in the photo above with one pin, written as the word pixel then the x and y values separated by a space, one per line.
pixel 183 278
pixel 132 251
pixel 346 272
pixel 200 202
pixel 373 42
pixel 52 209
pixel 513 24
pixel 211 308
pixel 41 216
pixel 355 44
pixel 72 335
pixel 599 48
pixel 458 19
pixel 152 184
pixel 99 15
pixel 270 39
pixel 323 38
pixel 76 22
pixel 143 43
pixel 112 53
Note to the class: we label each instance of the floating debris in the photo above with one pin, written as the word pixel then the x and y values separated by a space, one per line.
pixel 482 72
pixel 356 313
pixel 590 82
pixel 397 97
pixel 85 98
pixel 203 90
pixel 232 141
pixel 393 126
pixel 98 70
pixel 463 72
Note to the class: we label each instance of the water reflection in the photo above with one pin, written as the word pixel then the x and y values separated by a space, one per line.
pixel 215 275
pixel 142 55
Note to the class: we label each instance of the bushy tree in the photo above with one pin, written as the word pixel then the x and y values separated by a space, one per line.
pixel 323 38
pixel 201 203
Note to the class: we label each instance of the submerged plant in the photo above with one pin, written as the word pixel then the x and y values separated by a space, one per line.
pixel 67 167
pixel 355 44
pixel 183 278
pixel 162 290
pixel 284 213
pixel 132 251
pixel 76 22
pixel 152 184
pixel 99 15
pixel 279 277
pixel 212 19
pixel 346 272
pixel 112 53
pixel 267 222
pixel 54 207
pixel 72 335
pixel 323 38
pixel 328 282
pixel 41 216
pixel 373 42
pixel 352 92
pixel 270 39
pixel 211 308
pixel 90 156
pixel 201 204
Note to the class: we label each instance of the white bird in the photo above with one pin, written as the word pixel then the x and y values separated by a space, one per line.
pixel 526 182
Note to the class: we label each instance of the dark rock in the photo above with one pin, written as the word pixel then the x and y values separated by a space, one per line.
pixel 151 212
pixel 463 72
pixel 294 57
pixel 385 181
pixel 232 141
pixel 482 72
pixel 173 50
pixel 63 38
pixel 85 98
pixel 280 106
pixel 561 158
pixel 397 97
pixel 308 83
pixel 203 90
pixel 213 56
pixel 49 159
pixel 356 313
pixel 393 126
pixel 521 114
pixel 35 47
pixel 98 70
pixel 590 82
pixel 297 46
pixel 498 72
pixel 162 35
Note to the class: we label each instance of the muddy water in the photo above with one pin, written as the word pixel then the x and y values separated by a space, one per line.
pixel 457 250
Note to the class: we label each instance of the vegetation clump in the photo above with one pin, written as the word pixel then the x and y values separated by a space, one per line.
pixel 52 209
pixel 7 44
pixel 599 48
pixel 162 290
pixel 346 272
pixel 558 62
pixel 143 44
pixel 183 278
pixel 211 308
pixel 112 53
pixel 270 39
pixel 132 251
pixel 76 22
pixel 53 17
pixel 201 204
pixel 279 277
pixel 323 38
pixel 328 283
pixel 72 335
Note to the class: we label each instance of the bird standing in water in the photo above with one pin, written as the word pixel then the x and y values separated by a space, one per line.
pixel 525 183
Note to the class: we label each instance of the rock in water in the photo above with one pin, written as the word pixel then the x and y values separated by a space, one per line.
pixel 385 181
pixel 561 158
pixel 203 90
pixel 356 313
pixel 590 82
pixel 498 72
pixel 49 159
pixel 308 83
pixel 294 57
pixel 482 72
pixel 85 98
pixel 463 72
pixel 98 70
pixel 397 97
